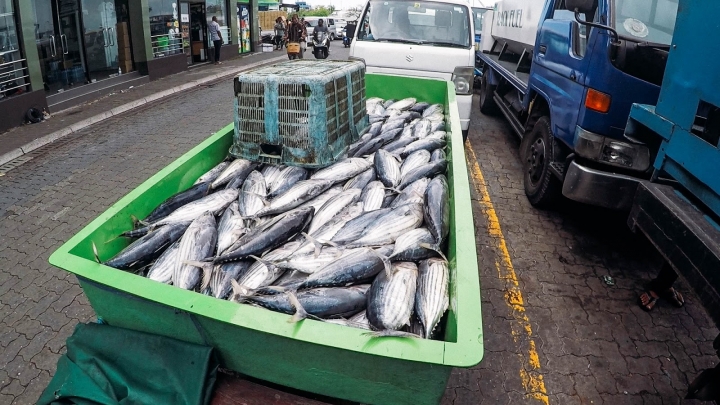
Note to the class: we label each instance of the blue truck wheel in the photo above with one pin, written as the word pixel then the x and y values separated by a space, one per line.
pixel 542 188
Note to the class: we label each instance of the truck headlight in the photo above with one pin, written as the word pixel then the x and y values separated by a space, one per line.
pixel 462 78
pixel 609 151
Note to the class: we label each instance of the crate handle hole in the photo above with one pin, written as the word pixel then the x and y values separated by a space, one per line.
pixel 271 150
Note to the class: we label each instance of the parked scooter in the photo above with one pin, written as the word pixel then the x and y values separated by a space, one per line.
pixel 321 46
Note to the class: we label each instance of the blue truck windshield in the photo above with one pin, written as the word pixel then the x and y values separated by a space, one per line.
pixel 423 23
pixel 650 21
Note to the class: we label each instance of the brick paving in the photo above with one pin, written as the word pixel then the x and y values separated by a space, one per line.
pixel 593 344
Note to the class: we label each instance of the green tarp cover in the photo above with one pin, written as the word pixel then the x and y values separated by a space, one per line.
pixel 108 365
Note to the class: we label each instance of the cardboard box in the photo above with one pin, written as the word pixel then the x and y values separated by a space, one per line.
pixel 124 54
pixel 123 41
pixel 126 66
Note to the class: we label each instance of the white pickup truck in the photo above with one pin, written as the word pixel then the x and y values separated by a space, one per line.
pixel 433 39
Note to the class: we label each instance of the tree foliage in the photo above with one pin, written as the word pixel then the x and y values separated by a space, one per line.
pixel 321 11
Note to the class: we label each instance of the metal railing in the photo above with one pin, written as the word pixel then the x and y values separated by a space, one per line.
pixel 166 45
pixel 10 74
pixel 225 32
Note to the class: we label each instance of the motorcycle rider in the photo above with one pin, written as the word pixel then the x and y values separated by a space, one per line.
pixel 321 28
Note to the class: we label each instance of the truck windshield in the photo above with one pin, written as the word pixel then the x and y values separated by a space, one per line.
pixel 479 14
pixel 650 21
pixel 422 23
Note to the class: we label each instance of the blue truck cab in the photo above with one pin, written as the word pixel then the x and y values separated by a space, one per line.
pixel 568 93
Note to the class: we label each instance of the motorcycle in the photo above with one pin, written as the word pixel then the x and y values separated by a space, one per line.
pixel 348 33
pixel 321 45
pixel 345 38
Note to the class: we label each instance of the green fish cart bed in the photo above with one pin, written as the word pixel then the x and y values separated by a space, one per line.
pixel 323 358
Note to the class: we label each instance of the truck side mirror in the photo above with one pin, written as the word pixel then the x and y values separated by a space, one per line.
pixel 581 6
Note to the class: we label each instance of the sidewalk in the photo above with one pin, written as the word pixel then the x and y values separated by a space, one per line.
pixel 24 139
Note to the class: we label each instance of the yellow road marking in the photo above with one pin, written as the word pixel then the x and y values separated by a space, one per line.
pixel 521 330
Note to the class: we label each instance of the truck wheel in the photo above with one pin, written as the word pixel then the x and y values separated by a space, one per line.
pixel 542 188
pixel 487 104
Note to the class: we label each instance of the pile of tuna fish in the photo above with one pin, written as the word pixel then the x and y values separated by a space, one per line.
pixel 358 243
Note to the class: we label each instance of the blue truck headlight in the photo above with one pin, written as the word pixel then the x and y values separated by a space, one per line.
pixel 609 151
pixel 462 78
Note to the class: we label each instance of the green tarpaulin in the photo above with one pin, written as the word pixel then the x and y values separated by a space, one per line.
pixel 108 365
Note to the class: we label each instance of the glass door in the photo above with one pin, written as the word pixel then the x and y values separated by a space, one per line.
pixel 57 33
pixel 101 45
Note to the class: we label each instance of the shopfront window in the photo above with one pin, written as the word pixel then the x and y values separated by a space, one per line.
pixel 13 70
pixel 165 33
pixel 218 8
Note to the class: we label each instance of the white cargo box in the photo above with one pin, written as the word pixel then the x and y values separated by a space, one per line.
pixel 515 22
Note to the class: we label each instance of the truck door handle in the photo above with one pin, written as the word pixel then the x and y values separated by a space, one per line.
pixel 543 49
pixel 572 76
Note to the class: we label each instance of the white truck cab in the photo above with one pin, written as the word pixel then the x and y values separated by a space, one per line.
pixel 422 39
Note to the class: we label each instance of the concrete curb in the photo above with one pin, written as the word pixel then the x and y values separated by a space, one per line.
pixel 80 125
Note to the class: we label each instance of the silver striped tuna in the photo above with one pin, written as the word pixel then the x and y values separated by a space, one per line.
pixel 327 231
pixel 436 118
pixel 235 168
pixel 342 170
pixel 429 144
pixel 387 168
pixel 310 263
pixel 165 208
pixel 213 173
pixel 268 236
pixel 431 297
pixel 439 135
pixel 320 200
pixel 318 302
pixel 398 145
pixel 414 245
pixel 332 207
pixel 162 270
pixel 361 180
pixel 260 274
pixel 252 194
pixel 388 227
pixel 414 160
pixel 408 130
pixel 301 192
pixel 196 244
pixel 354 228
pixel 414 193
pixel 286 179
pixel 230 227
pixel 271 173
pixel 422 128
pixel 403 105
pixel 146 249
pixel 217 278
pixel 351 268
pixel 372 196
pixel 433 109
pixel 438 154
pixel 427 170
pixel 437 209
pixel 215 203
pixel 392 297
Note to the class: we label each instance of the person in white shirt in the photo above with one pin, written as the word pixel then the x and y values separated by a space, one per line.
pixel 216 37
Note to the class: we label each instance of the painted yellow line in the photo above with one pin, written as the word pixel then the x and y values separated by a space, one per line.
pixel 521 330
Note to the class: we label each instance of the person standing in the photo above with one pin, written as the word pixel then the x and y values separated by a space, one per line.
pixel 216 37
pixel 279 33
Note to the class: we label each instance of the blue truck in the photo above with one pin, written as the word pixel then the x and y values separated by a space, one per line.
pixel 565 74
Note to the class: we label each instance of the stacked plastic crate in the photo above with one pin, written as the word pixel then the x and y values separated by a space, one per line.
pixel 299 113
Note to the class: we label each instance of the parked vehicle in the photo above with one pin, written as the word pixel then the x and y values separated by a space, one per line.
pixel 432 39
pixel 339 27
pixel 478 11
pixel 566 80
pixel 312 22
pixel 320 45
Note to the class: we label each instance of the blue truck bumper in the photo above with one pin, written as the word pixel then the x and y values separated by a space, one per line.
pixel 599 188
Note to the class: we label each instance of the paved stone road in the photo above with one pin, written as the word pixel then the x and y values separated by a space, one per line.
pixel 554 333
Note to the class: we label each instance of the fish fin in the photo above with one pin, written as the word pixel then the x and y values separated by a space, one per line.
pixel 267 263
pixel 386 262
pixel 95 252
pixel 391 333
pixel 315 242
pixel 240 292
pixel 434 248
pixel 393 189
pixel 300 312
pixel 137 221
pixel 117 237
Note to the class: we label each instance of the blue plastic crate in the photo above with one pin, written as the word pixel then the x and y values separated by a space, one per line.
pixel 299 113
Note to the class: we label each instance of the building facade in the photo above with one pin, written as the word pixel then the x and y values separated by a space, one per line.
pixel 58 53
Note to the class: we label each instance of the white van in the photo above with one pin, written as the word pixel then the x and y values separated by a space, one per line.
pixel 312 22
pixel 420 38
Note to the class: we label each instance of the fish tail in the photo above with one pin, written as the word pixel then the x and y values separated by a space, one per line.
pixel 117 237
pixel 95 252
pixel 300 312
pixel 435 248
pixel 240 292
pixel 386 262
pixel 207 268
pixel 136 221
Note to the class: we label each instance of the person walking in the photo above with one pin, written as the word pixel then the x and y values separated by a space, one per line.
pixel 279 33
pixel 296 33
pixel 216 37
pixel 661 287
